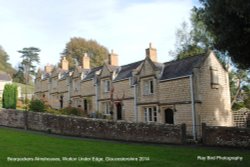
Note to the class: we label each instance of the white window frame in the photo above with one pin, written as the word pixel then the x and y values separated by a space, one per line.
pixel 150 114
pixel 148 87
pixel 107 108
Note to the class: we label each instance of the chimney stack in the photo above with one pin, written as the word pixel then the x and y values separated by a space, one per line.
pixel 65 64
pixel 85 61
pixel 113 59
pixel 48 68
pixel 151 53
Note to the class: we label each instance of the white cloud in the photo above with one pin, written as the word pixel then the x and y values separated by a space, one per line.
pixel 126 27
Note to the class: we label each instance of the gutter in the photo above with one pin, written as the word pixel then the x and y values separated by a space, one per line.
pixel 135 103
pixel 193 108
pixel 96 96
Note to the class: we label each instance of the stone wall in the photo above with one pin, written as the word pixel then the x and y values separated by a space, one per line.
pixel 226 136
pixel 93 128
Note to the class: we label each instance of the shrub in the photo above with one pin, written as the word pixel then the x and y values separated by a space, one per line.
pixel 73 111
pixel 37 106
pixel 9 99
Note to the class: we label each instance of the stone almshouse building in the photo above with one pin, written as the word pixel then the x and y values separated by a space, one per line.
pixel 194 90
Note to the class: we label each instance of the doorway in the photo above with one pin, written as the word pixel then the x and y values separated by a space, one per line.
pixel 119 111
pixel 169 116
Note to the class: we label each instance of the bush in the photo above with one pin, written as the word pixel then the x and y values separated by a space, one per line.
pixel 9 99
pixel 37 106
pixel 73 111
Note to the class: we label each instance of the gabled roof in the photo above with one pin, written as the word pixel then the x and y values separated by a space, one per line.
pixel 179 68
pixel 91 73
pixel 4 76
pixel 126 70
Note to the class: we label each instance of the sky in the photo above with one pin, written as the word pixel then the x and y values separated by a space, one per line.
pixel 126 26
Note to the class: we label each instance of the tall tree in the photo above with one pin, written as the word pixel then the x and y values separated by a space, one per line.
pixel 229 22
pixel 192 40
pixel 76 48
pixel 4 65
pixel 197 39
pixel 29 56
pixel 239 87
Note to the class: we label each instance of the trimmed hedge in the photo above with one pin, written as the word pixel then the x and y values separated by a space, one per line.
pixel 9 99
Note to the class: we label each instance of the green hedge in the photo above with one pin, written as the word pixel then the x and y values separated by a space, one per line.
pixel 9 99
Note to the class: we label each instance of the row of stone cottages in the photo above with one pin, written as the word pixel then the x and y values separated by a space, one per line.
pixel 191 91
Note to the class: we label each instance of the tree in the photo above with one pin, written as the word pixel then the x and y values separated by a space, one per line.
pixel 19 75
pixel 4 65
pixel 229 22
pixel 196 40
pixel 192 40
pixel 30 56
pixel 76 48
pixel 9 99
pixel 240 89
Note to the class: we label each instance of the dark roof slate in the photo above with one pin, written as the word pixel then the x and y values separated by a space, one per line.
pixel 91 73
pixel 178 68
pixel 126 70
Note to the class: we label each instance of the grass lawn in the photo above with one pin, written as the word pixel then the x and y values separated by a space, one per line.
pixel 18 143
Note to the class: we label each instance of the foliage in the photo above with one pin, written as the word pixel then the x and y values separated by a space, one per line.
pixel 228 21
pixel 240 90
pixel 73 111
pixel 4 65
pixel 9 99
pixel 52 111
pixel 196 40
pixel 37 105
pixel 76 48
pixel 190 41
pixel 29 57
pixel 19 76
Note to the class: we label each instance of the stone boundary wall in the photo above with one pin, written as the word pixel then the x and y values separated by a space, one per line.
pixel 225 136
pixel 93 128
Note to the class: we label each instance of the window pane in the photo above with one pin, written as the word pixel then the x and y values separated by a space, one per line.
pixel 151 86
pixel 150 114
pixel 155 116
pixel 145 114
pixel 146 87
